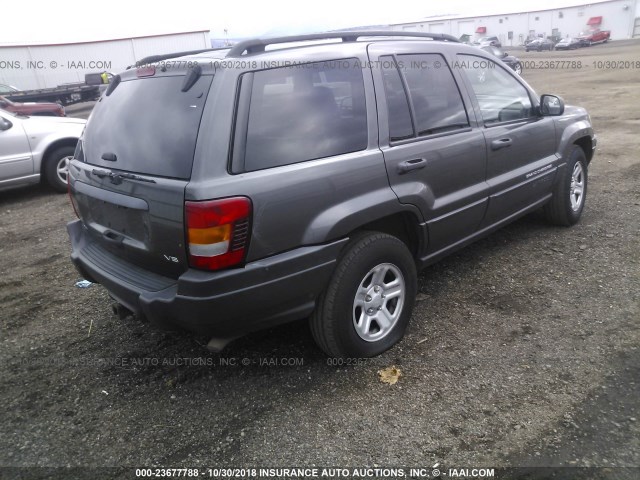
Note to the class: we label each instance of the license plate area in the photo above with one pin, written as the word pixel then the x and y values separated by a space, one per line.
pixel 128 222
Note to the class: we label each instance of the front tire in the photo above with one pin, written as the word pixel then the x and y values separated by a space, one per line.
pixel 367 305
pixel 570 192
pixel 56 168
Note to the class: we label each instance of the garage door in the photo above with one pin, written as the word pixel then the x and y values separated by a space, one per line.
pixel 465 28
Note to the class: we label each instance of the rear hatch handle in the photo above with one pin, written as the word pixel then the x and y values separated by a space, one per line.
pixel 100 172
pixel 117 177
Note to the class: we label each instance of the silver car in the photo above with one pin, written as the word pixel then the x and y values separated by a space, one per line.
pixel 35 148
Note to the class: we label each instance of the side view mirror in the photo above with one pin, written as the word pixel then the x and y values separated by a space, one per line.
pixel 505 54
pixel 551 105
pixel 5 124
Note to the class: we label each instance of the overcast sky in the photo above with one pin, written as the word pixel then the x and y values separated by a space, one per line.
pixel 34 22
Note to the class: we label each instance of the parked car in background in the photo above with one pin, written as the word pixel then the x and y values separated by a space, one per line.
pixel 35 148
pixel 538 45
pixel 568 43
pixel 49 109
pixel 7 89
pixel 513 62
pixel 554 38
pixel 488 42
pixel 271 195
pixel 595 36
pixel 584 42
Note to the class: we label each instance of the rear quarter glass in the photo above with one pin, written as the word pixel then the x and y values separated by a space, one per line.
pixel 150 126
pixel 296 114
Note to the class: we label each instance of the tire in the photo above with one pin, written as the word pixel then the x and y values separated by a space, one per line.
pixel 353 316
pixel 56 167
pixel 518 68
pixel 566 205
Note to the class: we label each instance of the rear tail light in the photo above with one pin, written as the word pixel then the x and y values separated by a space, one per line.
pixel 217 232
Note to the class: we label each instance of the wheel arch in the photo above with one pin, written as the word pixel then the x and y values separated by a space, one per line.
pixel 586 145
pixel 403 225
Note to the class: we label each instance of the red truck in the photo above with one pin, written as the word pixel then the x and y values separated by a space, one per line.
pixel 594 36
pixel 32 108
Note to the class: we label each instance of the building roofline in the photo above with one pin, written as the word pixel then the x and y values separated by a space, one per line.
pixel 437 18
pixel 100 41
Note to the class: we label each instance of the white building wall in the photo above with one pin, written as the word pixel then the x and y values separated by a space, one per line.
pixel 618 17
pixel 144 47
pixel 43 66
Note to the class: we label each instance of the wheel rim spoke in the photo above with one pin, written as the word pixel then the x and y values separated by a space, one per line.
pixel 379 274
pixel 394 291
pixel 576 190
pixel 384 319
pixel 63 168
pixel 364 324
pixel 378 302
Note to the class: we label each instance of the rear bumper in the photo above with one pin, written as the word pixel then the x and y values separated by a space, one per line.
pixel 226 304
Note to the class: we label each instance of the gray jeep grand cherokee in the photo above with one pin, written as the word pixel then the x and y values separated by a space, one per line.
pixel 230 190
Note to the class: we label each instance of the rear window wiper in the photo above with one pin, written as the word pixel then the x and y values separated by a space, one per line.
pixel 116 178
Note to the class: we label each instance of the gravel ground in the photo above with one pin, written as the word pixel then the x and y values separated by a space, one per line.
pixel 522 351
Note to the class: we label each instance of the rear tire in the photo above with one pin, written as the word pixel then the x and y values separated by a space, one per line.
pixel 367 305
pixel 56 168
pixel 570 192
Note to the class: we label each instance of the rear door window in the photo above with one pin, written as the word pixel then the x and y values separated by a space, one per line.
pixel 299 113
pixel 149 125
pixel 434 94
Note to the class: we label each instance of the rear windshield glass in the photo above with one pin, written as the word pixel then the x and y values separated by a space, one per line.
pixel 149 125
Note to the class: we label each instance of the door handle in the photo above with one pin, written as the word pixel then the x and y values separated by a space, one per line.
pixel 502 143
pixel 415 164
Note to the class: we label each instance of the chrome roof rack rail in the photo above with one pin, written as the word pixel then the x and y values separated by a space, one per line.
pixel 258 44
pixel 167 56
